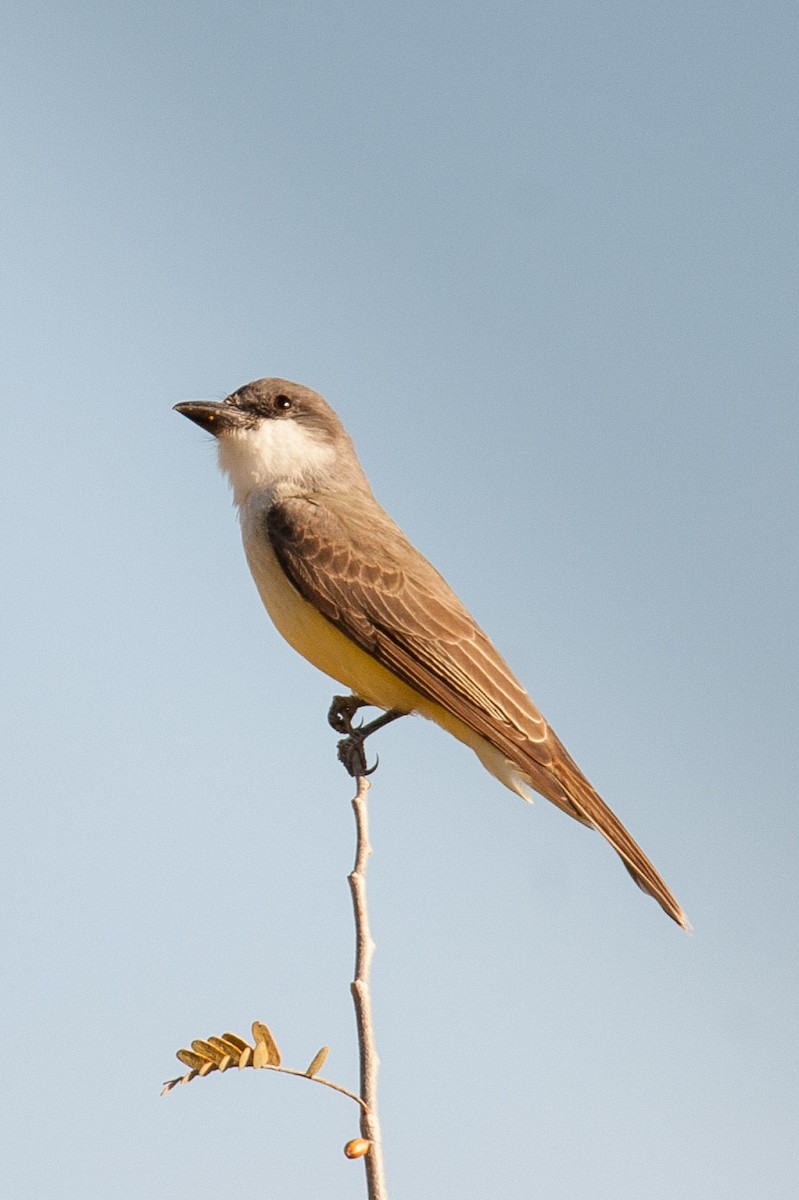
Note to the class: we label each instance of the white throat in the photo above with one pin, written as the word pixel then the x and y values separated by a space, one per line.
pixel 274 452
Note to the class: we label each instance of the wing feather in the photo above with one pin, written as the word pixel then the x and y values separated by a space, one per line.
pixel 403 612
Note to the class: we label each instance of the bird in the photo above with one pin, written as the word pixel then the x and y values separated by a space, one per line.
pixel 348 591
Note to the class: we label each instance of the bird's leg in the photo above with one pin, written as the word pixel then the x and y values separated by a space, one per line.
pixel 351 751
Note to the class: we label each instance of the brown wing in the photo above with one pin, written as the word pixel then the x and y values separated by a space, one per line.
pixel 362 573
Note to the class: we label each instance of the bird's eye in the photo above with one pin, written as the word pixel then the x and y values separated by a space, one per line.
pixel 283 403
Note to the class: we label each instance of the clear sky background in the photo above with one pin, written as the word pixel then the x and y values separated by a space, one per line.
pixel 542 258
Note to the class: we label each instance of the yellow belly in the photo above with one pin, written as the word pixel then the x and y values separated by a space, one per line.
pixel 318 640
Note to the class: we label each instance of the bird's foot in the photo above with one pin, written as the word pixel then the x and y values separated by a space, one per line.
pixel 342 710
pixel 352 756
pixel 351 752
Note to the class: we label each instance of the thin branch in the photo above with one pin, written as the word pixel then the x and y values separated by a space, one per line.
pixel 210 1065
pixel 364 948
pixel 317 1079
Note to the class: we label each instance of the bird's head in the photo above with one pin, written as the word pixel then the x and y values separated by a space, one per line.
pixel 273 436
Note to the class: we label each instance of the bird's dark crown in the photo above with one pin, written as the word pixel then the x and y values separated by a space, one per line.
pixel 280 399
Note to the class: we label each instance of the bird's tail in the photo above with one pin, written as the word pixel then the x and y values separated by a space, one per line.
pixel 589 807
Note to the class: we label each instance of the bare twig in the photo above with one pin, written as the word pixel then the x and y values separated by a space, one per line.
pixel 318 1079
pixel 364 948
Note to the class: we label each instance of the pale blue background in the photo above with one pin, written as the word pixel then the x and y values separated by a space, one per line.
pixel 542 258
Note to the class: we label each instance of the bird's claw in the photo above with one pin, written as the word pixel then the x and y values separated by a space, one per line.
pixel 352 755
pixel 351 752
pixel 341 712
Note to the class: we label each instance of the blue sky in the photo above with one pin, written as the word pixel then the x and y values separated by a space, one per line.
pixel 542 259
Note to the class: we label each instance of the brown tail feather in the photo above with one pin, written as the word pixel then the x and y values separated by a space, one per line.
pixel 591 809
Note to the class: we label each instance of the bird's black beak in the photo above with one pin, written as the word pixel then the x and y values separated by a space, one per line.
pixel 212 415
